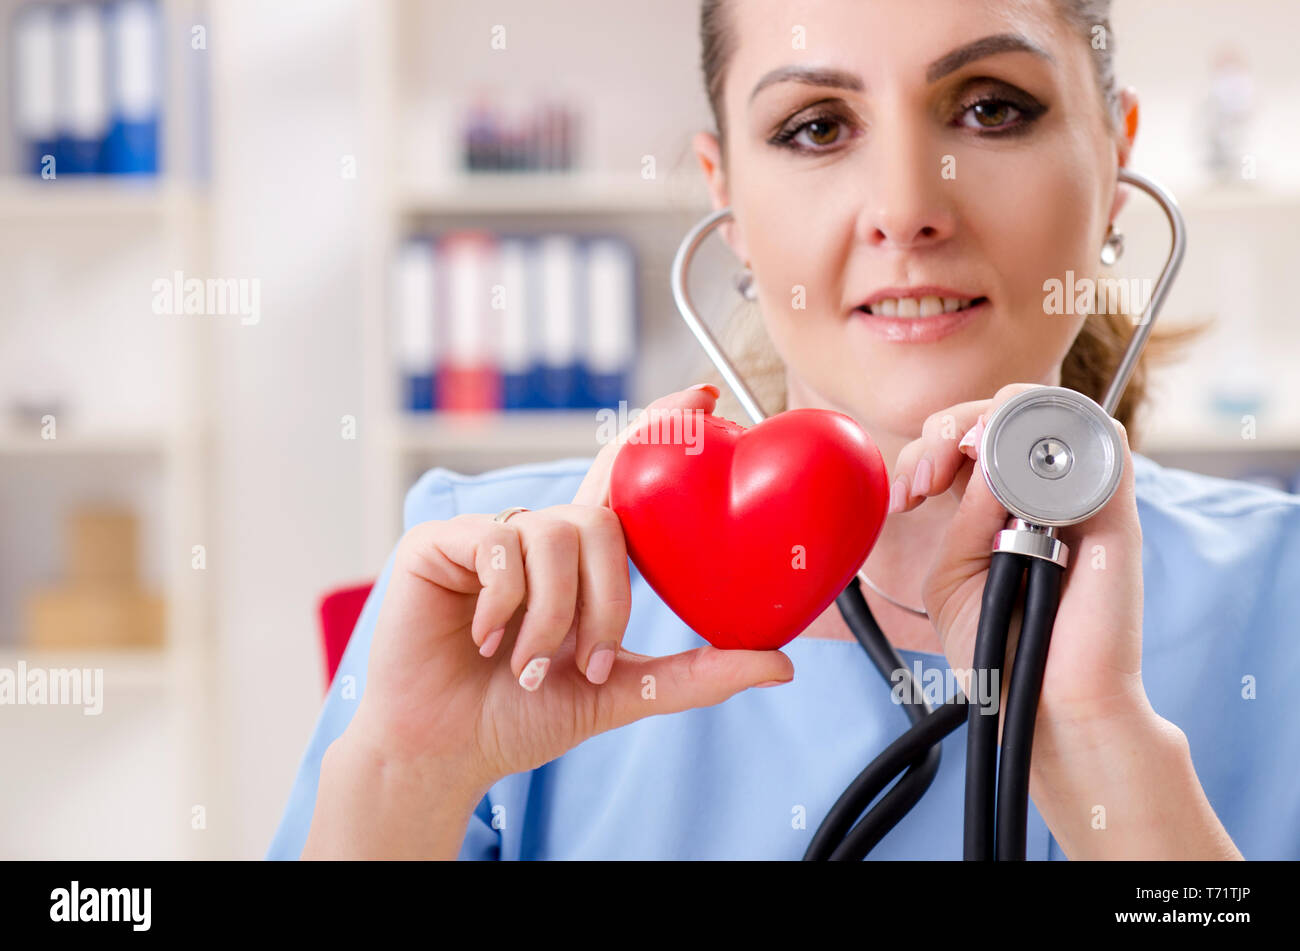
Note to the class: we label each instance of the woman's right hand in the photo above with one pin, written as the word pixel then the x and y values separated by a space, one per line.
pixel 488 653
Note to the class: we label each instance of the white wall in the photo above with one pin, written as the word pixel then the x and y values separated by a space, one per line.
pixel 286 111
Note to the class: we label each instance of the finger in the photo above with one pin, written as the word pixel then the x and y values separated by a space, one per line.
pixel 968 538
pixel 499 562
pixel 927 466
pixel 932 464
pixel 642 686
pixel 604 589
pixel 458 556
pixel 550 550
pixel 594 489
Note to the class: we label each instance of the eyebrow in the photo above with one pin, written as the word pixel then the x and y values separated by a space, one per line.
pixel 948 63
pixel 987 46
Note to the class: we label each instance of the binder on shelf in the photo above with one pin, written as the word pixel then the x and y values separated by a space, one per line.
pixel 609 311
pixel 34 44
pixel 414 328
pixel 485 321
pixel 136 80
pixel 469 379
pixel 517 266
pixel 83 112
pixel 560 372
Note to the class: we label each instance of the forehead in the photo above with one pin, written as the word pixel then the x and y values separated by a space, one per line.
pixel 894 38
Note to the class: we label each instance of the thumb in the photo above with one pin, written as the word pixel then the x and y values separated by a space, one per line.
pixel 594 489
pixel 643 686
pixel 967 545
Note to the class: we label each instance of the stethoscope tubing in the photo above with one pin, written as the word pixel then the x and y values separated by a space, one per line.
pixel 1001 587
pixel 832 839
pixel 1042 599
pixel 997 788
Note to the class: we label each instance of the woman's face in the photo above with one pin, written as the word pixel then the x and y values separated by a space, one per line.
pixel 889 151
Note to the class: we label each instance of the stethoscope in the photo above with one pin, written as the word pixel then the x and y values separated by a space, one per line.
pixel 1051 457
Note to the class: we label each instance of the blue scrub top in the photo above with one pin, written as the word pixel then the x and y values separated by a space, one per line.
pixel 752 777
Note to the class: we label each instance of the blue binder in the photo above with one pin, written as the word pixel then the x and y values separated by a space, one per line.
pixel 135 65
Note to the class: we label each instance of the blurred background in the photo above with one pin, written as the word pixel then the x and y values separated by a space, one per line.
pixel 242 246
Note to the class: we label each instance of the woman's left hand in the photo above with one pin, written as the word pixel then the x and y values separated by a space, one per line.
pixel 1094 665
pixel 1098 742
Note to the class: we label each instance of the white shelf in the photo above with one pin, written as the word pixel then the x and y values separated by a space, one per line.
pixel 1202 439
pixel 554 193
pixel 559 432
pixel 74 199
pixel 72 442
pixel 1238 198
pixel 124 668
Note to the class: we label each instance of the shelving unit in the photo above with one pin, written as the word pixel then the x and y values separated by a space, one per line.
pixel 82 252
pixel 124 668
pixel 73 201
pixel 651 213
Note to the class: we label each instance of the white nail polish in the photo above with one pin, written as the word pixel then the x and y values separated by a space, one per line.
pixel 534 673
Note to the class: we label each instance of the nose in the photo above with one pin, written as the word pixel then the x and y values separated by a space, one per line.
pixel 908 201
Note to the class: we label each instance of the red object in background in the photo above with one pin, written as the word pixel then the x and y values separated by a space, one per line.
pixel 468 389
pixel 749 534
pixel 339 610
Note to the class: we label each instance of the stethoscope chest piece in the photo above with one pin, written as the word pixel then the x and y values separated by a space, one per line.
pixel 1051 456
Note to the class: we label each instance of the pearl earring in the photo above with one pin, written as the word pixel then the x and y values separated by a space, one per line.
pixel 1113 247
pixel 744 281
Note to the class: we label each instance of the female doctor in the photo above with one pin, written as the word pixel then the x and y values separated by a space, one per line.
pixel 512 691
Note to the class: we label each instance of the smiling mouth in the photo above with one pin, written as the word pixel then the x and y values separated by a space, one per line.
pixel 920 306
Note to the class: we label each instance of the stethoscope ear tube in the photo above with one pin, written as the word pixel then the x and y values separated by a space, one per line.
pixel 837 838
pixel 1042 598
pixel 1001 589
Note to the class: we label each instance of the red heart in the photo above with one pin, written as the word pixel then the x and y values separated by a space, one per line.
pixel 748 534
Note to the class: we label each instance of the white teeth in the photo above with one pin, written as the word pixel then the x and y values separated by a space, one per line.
pixel 917 307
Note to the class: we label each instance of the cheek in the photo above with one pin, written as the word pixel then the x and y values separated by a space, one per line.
pixel 1039 229
pixel 798 256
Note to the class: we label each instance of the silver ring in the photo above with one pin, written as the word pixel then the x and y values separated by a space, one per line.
pixel 504 515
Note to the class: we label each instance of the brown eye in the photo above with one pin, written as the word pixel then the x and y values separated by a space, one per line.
pixel 823 131
pixel 826 133
pixel 990 114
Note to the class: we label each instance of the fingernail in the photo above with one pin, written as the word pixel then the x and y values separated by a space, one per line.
pixel 772 683
pixel 972 438
pixel 922 477
pixel 534 673
pixel 600 662
pixel 491 642
pixel 709 387
pixel 898 495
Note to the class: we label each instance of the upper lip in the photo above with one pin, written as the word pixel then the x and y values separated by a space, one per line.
pixel 927 290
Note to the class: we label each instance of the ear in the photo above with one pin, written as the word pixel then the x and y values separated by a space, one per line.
pixel 1124 136
pixel 708 153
